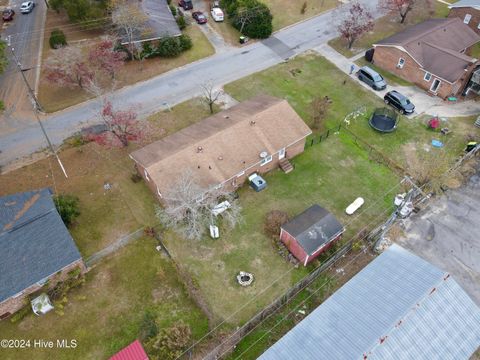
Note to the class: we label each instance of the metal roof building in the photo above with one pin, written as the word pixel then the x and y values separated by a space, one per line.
pixel 398 307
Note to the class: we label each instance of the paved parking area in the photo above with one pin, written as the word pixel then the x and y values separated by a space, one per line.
pixel 447 234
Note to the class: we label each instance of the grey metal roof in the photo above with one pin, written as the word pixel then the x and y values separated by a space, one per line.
pixel 466 3
pixel 34 241
pixel 398 307
pixel 313 228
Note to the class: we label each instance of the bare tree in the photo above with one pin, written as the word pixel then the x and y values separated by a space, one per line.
pixel 355 20
pixel 131 21
pixel 402 7
pixel 210 95
pixel 188 207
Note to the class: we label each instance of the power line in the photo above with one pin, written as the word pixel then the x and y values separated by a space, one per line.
pixel 286 273
pixel 36 107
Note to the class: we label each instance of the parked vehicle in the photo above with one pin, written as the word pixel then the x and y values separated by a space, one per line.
pixel 199 17
pixel 27 7
pixel 399 102
pixel 217 14
pixel 186 4
pixel 371 78
pixel 7 14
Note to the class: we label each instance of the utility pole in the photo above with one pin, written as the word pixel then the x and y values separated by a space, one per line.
pixel 36 108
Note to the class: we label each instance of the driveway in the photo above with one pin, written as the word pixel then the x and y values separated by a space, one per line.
pixel 24 34
pixel 424 103
pixel 447 234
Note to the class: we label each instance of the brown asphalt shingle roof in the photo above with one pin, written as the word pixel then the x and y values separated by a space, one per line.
pixel 231 141
pixel 436 45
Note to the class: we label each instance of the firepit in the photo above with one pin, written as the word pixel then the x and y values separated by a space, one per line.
pixel 244 278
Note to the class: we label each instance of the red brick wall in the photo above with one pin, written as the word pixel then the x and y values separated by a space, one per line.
pixel 387 59
pixel 293 246
pixel 461 12
pixel 12 305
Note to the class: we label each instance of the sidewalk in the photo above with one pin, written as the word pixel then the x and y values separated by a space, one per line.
pixel 424 103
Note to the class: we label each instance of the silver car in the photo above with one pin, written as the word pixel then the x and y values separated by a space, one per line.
pixel 27 7
pixel 371 78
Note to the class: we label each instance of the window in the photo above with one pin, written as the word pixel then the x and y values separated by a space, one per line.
pixel 478 26
pixel 467 18
pixel 266 160
pixel 401 62
pixel 427 76
pixel 146 175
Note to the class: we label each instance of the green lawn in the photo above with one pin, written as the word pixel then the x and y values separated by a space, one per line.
pixel 105 314
pixel 390 24
pixel 476 51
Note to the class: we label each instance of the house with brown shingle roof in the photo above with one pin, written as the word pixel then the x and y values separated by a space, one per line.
pixel 433 55
pixel 468 11
pixel 224 149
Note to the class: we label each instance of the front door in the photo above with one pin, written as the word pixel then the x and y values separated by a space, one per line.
pixel 281 154
pixel 435 85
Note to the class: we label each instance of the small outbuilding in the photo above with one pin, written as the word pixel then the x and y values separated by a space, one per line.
pixel 311 233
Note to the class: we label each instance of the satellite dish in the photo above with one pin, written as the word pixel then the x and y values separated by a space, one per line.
pixel 263 154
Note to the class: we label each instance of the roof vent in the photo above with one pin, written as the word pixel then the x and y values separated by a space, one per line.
pixel 252 122
pixel 220 157
pixel 226 117
pixel 263 154
pixel 199 149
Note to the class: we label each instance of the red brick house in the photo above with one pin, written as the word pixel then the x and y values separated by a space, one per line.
pixel 224 149
pixel 36 247
pixel 468 11
pixel 311 233
pixel 433 55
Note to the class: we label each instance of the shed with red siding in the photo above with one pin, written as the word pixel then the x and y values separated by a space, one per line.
pixel 311 233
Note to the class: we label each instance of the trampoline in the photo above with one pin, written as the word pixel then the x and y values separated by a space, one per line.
pixel 383 120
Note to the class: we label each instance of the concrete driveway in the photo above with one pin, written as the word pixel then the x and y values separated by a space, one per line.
pixel 424 103
pixel 447 234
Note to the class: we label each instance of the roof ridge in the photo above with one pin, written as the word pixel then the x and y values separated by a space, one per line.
pixel 440 23
pixel 26 222
pixel 409 311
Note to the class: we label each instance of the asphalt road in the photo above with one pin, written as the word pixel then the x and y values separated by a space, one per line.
pixel 23 33
pixel 178 85
pixel 447 232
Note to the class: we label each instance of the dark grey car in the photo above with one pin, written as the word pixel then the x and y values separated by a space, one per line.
pixel 371 78
pixel 399 102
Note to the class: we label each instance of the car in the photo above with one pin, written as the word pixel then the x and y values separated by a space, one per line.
pixel 199 17
pixel 371 78
pixel 217 14
pixel 185 4
pixel 27 7
pixel 7 14
pixel 399 102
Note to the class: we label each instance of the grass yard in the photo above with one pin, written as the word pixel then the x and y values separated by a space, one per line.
pixel 105 215
pixel 215 263
pixel 390 24
pixel 106 313
pixel 475 52
pixel 54 98
pixel 287 12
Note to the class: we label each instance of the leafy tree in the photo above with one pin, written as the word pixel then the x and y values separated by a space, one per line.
pixel 182 24
pixel 68 67
pixel 103 57
pixel 122 127
pixel 169 47
pixel 80 10
pixel 3 56
pixel 185 42
pixel 67 207
pixel 354 22
pixel 250 17
pixel 57 39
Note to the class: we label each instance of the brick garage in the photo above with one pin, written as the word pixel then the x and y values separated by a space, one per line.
pixel 224 149
pixel 36 248
pixel 432 55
